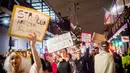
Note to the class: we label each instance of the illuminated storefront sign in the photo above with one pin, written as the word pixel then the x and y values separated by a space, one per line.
pixel 118 24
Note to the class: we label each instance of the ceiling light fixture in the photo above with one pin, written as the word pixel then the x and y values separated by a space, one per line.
pixel 5 22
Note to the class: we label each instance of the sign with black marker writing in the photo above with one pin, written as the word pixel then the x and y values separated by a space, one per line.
pixel 59 42
pixel 26 20
pixel 98 38
pixel 86 37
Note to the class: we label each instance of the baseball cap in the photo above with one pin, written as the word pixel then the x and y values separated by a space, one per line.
pixel 104 44
pixel 78 50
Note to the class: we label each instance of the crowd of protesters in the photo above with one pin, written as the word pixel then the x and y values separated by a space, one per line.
pixel 80 60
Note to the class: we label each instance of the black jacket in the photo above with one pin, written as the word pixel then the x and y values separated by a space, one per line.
pixel 64 67
pixel 82 63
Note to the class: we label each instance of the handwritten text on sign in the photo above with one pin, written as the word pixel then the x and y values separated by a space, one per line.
pixel 25 20
pixel 86 37
pixel 60 42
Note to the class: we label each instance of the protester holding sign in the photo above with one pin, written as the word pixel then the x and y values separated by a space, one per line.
pixel 59 42
pixel 15 63
pixel 26 20
pixel 37 66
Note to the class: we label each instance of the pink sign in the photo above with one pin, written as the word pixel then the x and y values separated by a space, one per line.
pixel 86 37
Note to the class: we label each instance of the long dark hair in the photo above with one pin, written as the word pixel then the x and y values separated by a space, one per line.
pixel 66 50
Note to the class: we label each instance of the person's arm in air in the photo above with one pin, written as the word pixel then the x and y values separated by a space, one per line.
pixel 86 55
pixel 37 61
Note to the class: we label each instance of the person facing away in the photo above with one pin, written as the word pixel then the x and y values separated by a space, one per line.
pixel 104 61
pixel 118 63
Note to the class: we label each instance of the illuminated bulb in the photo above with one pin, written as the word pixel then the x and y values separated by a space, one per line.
pixel 120 43
pixel 5 21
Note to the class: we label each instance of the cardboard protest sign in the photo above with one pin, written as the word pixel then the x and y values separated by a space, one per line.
pixel 59 42
pixel 86 37
pixel 98 38
pixel 26 20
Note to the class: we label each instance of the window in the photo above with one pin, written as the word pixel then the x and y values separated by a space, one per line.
pixel 49 11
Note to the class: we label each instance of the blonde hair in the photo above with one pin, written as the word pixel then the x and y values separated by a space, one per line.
pixel 25 64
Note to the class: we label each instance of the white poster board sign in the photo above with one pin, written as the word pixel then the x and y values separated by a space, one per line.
pixel 86 37
pixel 59 42
pixel 26 20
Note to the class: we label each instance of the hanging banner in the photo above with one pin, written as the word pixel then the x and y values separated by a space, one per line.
pixel 26 20
pixel 59 42
pixel 86 37
pixel 125 38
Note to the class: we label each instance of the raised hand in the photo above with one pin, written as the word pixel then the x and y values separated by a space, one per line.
pixel 32 39
pixel 37 61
